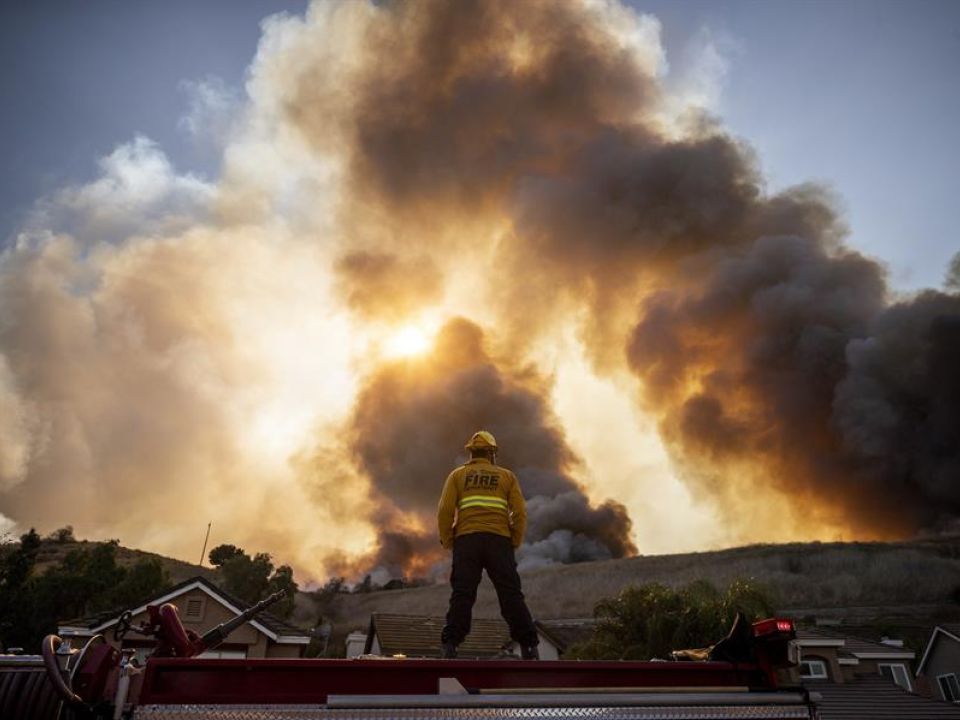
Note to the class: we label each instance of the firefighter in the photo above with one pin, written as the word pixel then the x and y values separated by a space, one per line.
pixel 482 517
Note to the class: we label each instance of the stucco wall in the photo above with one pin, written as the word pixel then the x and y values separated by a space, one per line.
pixel 944 658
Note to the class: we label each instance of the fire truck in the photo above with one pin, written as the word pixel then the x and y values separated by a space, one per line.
pixel 736 677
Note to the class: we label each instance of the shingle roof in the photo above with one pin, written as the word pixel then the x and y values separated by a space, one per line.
pixel 874 697
pixel 567 632
pixel 952 628
pixel 419 636
pixel 852 645
pixel 271 622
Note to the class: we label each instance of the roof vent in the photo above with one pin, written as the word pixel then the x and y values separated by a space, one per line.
pixel 194 609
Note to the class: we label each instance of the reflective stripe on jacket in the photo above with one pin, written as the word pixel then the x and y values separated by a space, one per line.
pixel 481 497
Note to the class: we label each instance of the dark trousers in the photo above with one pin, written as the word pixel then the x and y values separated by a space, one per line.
pixel 472 554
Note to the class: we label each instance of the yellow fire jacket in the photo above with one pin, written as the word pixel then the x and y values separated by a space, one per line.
pixel 481 497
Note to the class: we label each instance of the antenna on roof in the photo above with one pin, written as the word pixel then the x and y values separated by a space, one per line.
pixel 203 553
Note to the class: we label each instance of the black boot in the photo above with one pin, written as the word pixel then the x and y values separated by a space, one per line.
pixel 449 651
pixel 529 652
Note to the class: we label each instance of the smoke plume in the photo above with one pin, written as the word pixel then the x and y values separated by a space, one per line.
pixel 427 212
pixel 407 431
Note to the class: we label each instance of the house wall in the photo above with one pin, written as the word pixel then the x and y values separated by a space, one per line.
pixel 284 651
pixel 213 614
pixel 944 658
pixel 355 643
pixel 246 637
pixel 829 656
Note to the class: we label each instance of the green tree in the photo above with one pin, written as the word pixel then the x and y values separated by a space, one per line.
pixel 253 578
pixel 62 535
pixel 18 561
pixel 648 621
pixel 142 581
pixel 246 577
pixel 222 553
pixel 282 579
pixel 16 565
pixel 88 580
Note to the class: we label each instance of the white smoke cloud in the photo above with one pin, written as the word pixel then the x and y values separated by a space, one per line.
pixel 16 436
pixel 138 192
pixel 214 111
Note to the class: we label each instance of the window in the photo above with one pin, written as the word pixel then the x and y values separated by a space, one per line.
pixel 813 669
pixel 949 687
pixel 897 673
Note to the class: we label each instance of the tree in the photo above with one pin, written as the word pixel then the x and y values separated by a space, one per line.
pixel 143 580
pixel 222 553
pixel 246 577
pixel 364 586
pixel 332 586
pixel 648 621
pixel 253 578
pixel 282 579
pixel 62 535
pixel 16 565
pixel 87 580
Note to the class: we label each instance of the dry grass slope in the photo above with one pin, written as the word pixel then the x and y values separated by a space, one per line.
pixel 800 575
pixel 809 575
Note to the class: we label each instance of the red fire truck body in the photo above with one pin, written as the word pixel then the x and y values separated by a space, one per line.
pixel 738 679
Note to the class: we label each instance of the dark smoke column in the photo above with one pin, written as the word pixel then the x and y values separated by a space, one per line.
pixel 407 432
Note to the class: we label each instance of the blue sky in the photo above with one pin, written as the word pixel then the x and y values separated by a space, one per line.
pixel 864 96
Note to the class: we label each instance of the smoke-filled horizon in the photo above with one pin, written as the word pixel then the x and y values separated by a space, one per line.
pixel 435 217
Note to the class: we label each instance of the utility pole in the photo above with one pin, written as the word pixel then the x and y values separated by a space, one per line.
pixel 203 553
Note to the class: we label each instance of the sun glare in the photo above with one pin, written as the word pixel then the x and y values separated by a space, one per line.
pixel 407 341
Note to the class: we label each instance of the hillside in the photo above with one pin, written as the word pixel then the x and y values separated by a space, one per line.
pixel 899 585
pixel 914 581
pixel 52 553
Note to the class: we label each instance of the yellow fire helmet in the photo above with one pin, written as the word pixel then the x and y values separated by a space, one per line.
pixel 480 440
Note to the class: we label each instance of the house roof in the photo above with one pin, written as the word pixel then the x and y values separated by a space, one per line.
pixel 272 626
pixel 852 646
pixel 565 633
pixel 419 636
pixel 874 697
pixel 947 630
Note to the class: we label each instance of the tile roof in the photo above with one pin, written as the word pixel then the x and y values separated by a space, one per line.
pixel 265 618
pixel 874 697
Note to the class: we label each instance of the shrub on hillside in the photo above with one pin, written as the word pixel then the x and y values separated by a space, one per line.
pixel 648 621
